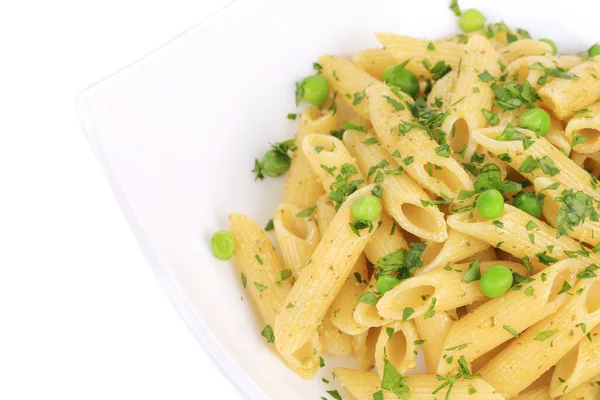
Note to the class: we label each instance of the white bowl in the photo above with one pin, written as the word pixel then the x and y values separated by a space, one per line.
pixel 177 133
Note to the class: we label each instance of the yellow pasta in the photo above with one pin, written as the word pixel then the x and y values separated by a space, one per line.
pixel 520 70
pixel 535 393
pixel 588 391
pixel 398 343
pixel 297 237
pixel 540 347
pixel 523 48
pixel 439 290
pixel 334 341
pixel 588 231
pixel 362 385
pixel 585 125
pixel 302 188
pixel 557 165
pixel 457 247
pixel 348 79
pixel 405 48
pixel 402 197
pixel 374 61
pixel 466 105
pixel 448 180
pixel 485 328
pixel 260 267
pixel 579 365
pixel 364 348
pixel 386 239
pixel 517 233
pixel 321 279
pixel 433 331
pixel 564 96
pixel 442 91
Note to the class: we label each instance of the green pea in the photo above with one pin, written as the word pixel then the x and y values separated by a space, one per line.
pixel 223 245
pixel 529 203
pixel 496 280
pixel 551 44
pixel 275 163
pixel 594 50
pixel 366 208
pixel 405 80
pixel 385 283
pixel 316 89
pixel 490 204
pixel 471 20
pixel 388 72
pixel 536 120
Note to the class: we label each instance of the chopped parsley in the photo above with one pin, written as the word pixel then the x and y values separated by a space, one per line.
pixel 394 381
pixel 306 213
pixel 368 298
pixel 431 310
pixel 473 273
pixel 511 331
pixel 575 208
pixel 268 334
pixel 261 288
pixel 408 311
pixel 511 133
pixel 588 272
pixel 350 125
pixel 370 140
pixel 545 335
pixel 282 275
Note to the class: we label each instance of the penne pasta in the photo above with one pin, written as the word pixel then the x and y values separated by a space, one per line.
pixel 579 365
pixel 362 385
pixel 375 61
pixel 302 188
pixel 332 262
pixel 347 79
pixel 440 290
pixel 540 347
pixel 403 199
pixel 364 348
pixel 523 48
pixel 586 125
pixel 540 159
pixel 519 69
pixel 433 332
pixel 466 105
pixel 447 179
pixel 420 53
pixel 261 270
pixel 398 342
pixel 498 320
pixel 564 96
pixel 441 92
pixel 517 233
pixel 588 391
pixel 334 341
pixel 587 230
pixel 297 237
pixel 457 247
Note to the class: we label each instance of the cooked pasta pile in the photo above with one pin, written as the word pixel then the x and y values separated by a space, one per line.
pixel 441 196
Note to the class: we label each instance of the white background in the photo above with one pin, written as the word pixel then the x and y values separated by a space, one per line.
pixel 81 315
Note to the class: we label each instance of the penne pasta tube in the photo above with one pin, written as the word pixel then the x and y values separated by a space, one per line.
pixel 588 391
pixel 517 233
pixel 457 247
pixel 419 52
pixel 586 125
pixel 301 187
pixel 557 135
pixel 364 348
pixel 564 96
pixel 347 79
pixel 332 262
pixel 540 347
pixel 403 199
pixel 375 61
pixel 441 92
pixel 334 341
pixel 447 179
pixel 297 237
pixel 540 159
pixel 578 366
pixel 523 48
pixel 261 270
pixel 341 312
pixel 439 290
pixel 519 69
pixel 587 229
pixel 399 343
pixel 362 385
pixel 466 104
pixel 497 320
pixel 433 332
